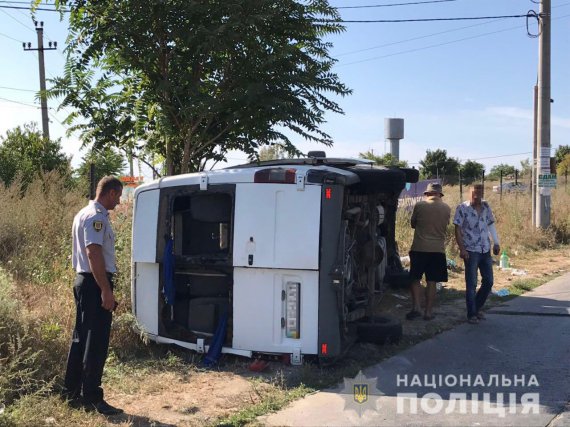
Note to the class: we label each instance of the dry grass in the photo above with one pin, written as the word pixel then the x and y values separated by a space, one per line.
pixel 513 214
pixel 36 304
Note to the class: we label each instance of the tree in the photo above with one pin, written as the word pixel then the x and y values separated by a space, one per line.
pixel 200 78
pixel 271 152
pixel 26 154
pixel 385 160
pixel 563 167
pixel 507 170
pixel 526 168
pixel 436 164
pixel 561 152
pixel 106 162
pixel 471 171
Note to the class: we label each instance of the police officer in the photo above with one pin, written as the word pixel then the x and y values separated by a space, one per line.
pixel 94 261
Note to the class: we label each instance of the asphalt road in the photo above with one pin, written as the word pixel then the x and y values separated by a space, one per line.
pixel 512 369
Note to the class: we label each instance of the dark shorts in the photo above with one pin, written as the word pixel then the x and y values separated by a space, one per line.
pixel 432 264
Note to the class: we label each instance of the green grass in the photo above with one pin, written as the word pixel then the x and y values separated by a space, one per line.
pixel 272 400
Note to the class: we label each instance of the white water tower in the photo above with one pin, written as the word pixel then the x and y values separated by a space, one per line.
pixel 393 132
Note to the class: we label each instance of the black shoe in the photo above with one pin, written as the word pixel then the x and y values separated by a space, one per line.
pixel 72 399
pixel 103 408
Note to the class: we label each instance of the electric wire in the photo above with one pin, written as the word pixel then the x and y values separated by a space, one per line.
pixel 394 4
pixel 37 8
pixel 18 102
pixel 437 45
pixel 18 89
pixel 417 38
pixel 442 32
pixel 17 20
pixel 391 21
pixel 11 38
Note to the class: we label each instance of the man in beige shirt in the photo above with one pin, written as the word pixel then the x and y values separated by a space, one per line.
pixel 430 219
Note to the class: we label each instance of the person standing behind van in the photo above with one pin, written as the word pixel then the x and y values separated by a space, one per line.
pixel 430 218
pixel 474 221
pixel 93 260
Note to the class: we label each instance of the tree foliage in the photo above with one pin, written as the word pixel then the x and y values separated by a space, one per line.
pixel 26 154
pixel 106 162
pixel 563 167
pixel 437 164
pixel 384 160
pixel 526 168
pixel 471 171
pixel 192 80
pixel 561 152
pixel 507 171
pixel 271 152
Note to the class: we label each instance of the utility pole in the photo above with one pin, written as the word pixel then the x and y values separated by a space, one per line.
pixel 40 49
pixel 533 174
pixel 543 123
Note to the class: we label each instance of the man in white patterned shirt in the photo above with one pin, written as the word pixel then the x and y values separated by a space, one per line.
pixel 474 222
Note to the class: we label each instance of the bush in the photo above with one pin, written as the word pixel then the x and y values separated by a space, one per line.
pixel 22 370
pixel 36 298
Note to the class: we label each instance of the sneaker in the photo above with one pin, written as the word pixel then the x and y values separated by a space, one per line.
pixel 481 316
pixel 473 320
pixel 103 408
pixel 413 315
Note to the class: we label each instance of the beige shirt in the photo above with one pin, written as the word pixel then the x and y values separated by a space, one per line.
pixel 430 219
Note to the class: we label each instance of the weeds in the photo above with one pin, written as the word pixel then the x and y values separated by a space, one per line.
pixel 37 312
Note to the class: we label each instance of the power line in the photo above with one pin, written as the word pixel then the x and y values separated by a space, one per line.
pixel 37 8
pixel 498 157
pixel 430 35
pixel 15 19
pixel 15 88
pixel 437 45
pixel 388 21
pixel 393 4
pixel 416 38
pixel 18 102
pixel 11 38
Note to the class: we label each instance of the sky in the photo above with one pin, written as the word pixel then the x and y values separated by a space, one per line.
pixel 463 86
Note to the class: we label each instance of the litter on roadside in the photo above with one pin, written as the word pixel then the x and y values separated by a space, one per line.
pixel 402 297
pixel 502 292
pixel 514 271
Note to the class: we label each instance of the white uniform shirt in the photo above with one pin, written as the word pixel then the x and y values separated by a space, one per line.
pixel 91 226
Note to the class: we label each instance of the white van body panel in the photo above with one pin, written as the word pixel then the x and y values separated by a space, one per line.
pixel 258 308
pixel 145 221
pixel 283 222
pixel 145 290
pixel 194 347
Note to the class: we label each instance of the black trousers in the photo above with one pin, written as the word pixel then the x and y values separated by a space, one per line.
pixel 90 343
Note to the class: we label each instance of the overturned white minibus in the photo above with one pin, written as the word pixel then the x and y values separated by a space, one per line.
pixel 280 257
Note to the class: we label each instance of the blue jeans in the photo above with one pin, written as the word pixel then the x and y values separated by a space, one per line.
pixel 484 263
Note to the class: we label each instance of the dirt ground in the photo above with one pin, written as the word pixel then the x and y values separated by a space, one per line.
pixel 199 398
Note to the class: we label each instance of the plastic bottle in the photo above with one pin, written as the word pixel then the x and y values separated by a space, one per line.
pixel 504 261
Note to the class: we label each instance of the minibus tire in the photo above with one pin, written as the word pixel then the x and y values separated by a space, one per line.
pixel 381 330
